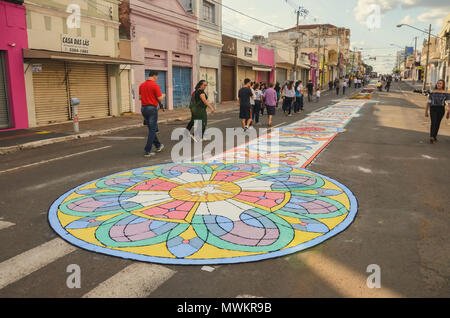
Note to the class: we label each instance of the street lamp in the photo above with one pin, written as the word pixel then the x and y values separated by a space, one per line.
pixel 354 50
pixel 428 50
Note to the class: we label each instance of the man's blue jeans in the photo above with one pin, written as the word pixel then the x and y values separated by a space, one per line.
pixel 150 114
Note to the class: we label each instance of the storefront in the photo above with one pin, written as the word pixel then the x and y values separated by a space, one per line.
pixel 167 44
pixel 210 76
pixel 281 75
pixel 13 103
pixel 228 77
pixel 267 57
pixel 56 77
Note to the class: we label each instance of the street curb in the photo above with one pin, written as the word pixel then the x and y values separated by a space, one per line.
pixel 40 143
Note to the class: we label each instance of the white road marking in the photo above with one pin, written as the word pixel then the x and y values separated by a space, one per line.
pixel 321 108
pixel 122 138
pixel 135 281
pixel 219 120
pixel 5 225
pixel 54 159
pixel 428 157
pixel 208 269
pixel 278 125
pixel 365 170
pixel 32 260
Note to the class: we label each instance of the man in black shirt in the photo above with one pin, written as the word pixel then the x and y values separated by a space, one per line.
pixel 310 87
pixel 245 114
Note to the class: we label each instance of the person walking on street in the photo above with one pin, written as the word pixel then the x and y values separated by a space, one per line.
pixel 278 91
pixel 263 87
pixel 288 98
pixel 388 83
pixel 337 86
pixel 297 97
pixel 318 94
pixel 270 100
pixel 199 103
pixel 301 90
pixel 344 86
pixel 252 99
pixel 310 87
pixel 257 106
pixel 436 108
pixel 330 85
pixel 151 96
pixel 245 110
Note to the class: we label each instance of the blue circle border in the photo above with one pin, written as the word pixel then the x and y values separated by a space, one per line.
pixel 57 227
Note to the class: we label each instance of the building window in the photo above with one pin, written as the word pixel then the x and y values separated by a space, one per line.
pixel 208 11
pixel 184 40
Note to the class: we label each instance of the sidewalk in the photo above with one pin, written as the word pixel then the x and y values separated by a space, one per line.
pixel 12 141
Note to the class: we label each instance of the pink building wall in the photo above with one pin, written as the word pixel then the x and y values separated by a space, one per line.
pixel 13 39
pixel 155 40
pixel 266 56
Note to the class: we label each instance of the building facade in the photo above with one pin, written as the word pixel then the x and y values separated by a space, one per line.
pixel 329 43
pixel 73 52
pixel 209 43
pixel 241 60
pixel 13 30
pixel 163 37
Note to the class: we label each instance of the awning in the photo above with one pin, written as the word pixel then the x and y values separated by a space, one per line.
pixel 254 65
pixel 81 58
pixel 290 66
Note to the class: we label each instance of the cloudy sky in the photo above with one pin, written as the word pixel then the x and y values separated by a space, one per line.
pixel 357 15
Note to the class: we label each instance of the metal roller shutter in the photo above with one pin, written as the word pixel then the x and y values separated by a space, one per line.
pixel 50 93
pixel 4 118
pixel 125 89
pixel 281 75
pixel 89 83
pixel 227 83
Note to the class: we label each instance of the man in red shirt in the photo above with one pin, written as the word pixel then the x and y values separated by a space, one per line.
pixel 150 96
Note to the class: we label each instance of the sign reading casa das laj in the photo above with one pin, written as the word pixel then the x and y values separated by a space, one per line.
pixel 75 45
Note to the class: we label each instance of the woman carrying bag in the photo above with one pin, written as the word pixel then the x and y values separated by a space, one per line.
pixel 198 105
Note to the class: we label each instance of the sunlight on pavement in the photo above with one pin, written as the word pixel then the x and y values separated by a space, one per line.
pixel 346 281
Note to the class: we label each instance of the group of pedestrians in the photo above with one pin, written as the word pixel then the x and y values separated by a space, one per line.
pixel 254 99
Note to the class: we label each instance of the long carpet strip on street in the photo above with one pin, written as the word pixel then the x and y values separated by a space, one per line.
pixel 250 208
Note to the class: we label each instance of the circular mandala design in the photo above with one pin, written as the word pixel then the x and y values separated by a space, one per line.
pixel 204 213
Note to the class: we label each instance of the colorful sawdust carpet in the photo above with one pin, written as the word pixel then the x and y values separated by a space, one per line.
pixel 220 211
pixel 204 213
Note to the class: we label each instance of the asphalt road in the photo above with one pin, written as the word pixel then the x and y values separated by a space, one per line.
pixel 399 179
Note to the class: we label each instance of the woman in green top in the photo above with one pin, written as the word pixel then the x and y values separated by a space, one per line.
pixel 199 103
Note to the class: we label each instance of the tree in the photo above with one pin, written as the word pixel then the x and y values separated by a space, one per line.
pixel 369 68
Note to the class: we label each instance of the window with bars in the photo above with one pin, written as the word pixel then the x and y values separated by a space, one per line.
pixel 184 40
pixel 208 11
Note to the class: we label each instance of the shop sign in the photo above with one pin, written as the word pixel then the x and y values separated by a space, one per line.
pixel 72 44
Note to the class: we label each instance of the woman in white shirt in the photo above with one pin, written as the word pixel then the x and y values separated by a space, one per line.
pixel 257 102
pixel 288 98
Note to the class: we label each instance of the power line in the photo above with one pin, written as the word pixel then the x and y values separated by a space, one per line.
pixel 248 16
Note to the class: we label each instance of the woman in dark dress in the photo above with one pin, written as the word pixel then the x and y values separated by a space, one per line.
pixel 436 108
pixel 199 103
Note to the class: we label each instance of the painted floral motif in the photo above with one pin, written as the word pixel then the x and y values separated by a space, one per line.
pixel 202 213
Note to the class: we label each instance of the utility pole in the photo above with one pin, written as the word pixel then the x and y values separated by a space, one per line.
pixel 296 47
pixel 318 51
pixel 415 58
pixel 323 64
pixel 300 12
pixel 428 59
